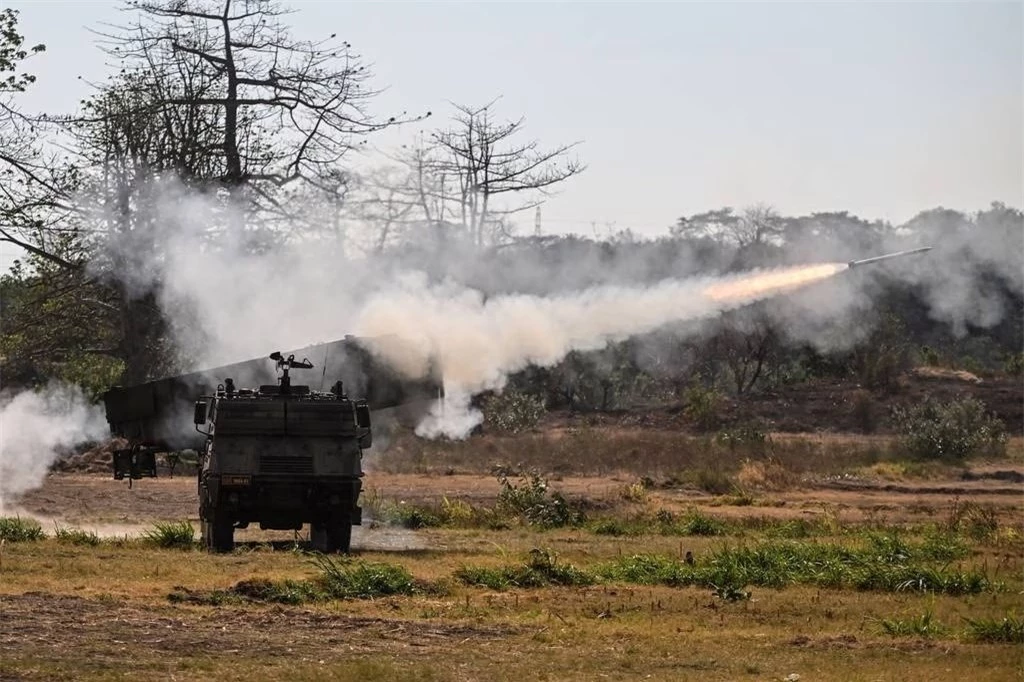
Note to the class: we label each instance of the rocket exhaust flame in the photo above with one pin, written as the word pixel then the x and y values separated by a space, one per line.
pixel 753 287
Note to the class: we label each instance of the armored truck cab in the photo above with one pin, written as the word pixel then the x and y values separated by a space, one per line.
pixel 281 456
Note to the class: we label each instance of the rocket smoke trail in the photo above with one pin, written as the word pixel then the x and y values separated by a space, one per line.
pixel 479 342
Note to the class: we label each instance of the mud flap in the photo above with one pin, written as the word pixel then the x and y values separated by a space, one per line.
pixel 134 464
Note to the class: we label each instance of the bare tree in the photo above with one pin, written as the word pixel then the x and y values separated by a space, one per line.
pixel 33 184
pixel 488 163
pixel 386 200
pixel 287 109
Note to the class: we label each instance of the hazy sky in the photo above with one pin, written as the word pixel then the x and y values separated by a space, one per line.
pixel 880 109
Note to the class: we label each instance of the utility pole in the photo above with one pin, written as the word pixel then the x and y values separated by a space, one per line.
pixel 536 223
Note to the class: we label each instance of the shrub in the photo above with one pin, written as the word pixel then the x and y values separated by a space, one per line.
pixel 953 430
pixel 634 492
pixel 613 527
pixel 695 523
pixel 456 512
pixel 979 522
pixel 531 501
pixel 929 356
pixel 766 474
pixel 179 534
pixel 1014 365
pixel 17 529
pixel 714 481
pixel 703 406
pixel 751 437
pixel 412 517
pixel 513 411
pixel 864 410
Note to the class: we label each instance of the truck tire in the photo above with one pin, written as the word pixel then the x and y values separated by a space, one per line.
pixel 332 536
pixel 219 533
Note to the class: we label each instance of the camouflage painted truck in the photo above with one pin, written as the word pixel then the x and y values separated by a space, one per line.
pixel 279 455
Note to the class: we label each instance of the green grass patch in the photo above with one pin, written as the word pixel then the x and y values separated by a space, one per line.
pixel 541 569
pixel 351 579
pixel 178 534
pixel 342 578
pixel 1008 630
pixel 924 625
pixel 883 563
pixel 17 529
pixel 76 536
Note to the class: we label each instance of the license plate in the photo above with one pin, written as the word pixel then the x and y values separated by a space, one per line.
pixel 236 480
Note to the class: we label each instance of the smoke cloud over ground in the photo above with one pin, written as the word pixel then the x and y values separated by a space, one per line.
pixel 35 426
pixel 478 342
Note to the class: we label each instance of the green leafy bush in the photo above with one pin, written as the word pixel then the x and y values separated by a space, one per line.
pixel 531 500
pixel 513 411
pixel 703 406
pixel 953 430
pixel 695 523
pixel 409 516
pixel 1014 365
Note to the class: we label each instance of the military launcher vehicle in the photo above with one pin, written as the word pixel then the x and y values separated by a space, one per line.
pixel 277 455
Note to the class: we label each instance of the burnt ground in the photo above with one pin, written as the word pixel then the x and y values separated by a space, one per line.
pixel 829 405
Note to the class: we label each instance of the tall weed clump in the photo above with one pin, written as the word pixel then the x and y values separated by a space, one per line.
pixel 17 529
pixel 349 579
pixel 532 501
pixel 180 535
pixel 952 430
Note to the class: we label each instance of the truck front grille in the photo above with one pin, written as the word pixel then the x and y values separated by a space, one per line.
pixel 277 464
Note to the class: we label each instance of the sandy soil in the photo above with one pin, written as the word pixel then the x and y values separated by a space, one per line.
pixel 112 508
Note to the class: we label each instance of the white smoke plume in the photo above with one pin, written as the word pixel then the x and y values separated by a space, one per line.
pixel 479 342
pixel 35 427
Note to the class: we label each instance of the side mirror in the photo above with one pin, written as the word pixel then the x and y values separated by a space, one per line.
pixel 362 415
pixel 200 415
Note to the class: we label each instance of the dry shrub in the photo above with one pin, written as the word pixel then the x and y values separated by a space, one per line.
pixel 767 474
pixel 864 408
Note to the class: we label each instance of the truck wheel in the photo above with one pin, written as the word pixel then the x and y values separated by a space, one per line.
pixel 219 533
pixel 332 536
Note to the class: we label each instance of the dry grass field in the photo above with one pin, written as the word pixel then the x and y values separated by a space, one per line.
pixel 822 558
